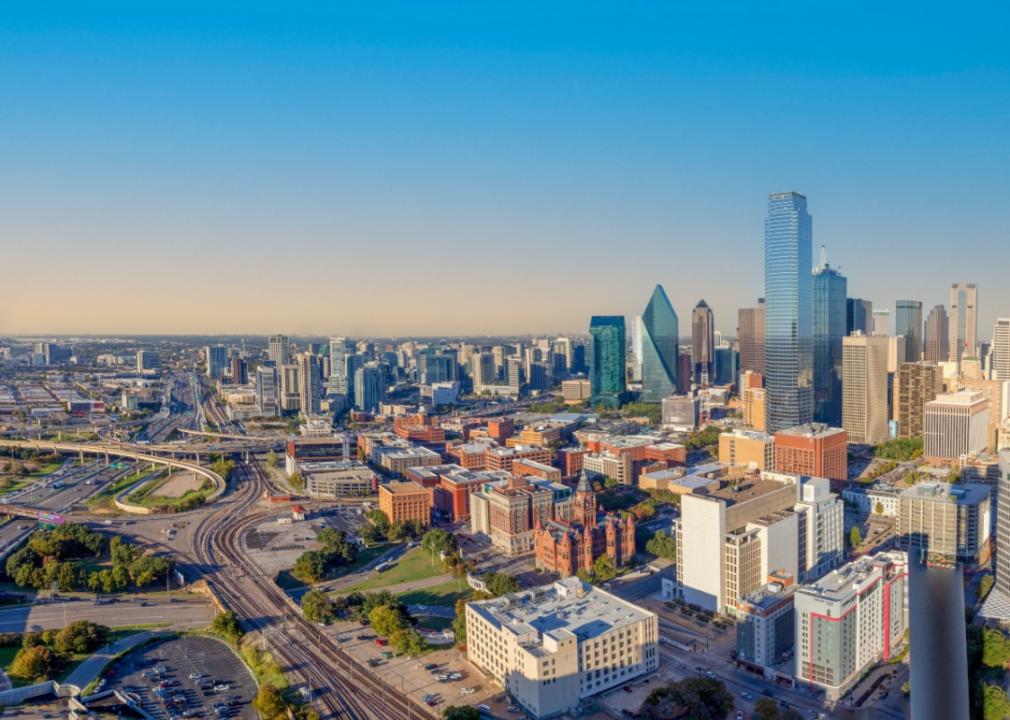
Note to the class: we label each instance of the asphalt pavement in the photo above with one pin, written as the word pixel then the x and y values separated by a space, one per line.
pixel 184 614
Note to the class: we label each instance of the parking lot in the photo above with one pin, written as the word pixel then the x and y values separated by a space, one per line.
pixel 187 677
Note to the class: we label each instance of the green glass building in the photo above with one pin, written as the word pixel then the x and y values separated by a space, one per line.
pixel 606 360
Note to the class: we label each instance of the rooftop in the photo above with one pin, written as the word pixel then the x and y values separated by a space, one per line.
pixel 839 584
pixel 961 397
pixel 746 490
pixel 967 494
pixel 812 430
pixel 403 488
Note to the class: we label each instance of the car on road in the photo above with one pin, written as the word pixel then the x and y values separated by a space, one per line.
pixel 746 695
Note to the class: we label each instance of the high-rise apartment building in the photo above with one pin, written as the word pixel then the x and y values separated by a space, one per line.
pixel 369 388
pixel 864 389
pixel 703 343
pixel 956 424
pixel 290 387
pixel 937 336
pixel 830 288
pixel 908 323
pixel 239 371
pixel 998 603
pixel 946 523
pixel 789 352
pixel 658 334
pixel 482 373
pixel 339 383
pixel 279 350
pixel 918 383
pixel 308 384
pixel 750 336
pixel 148 361
pixel 606 361
pixel 1000 349
pixel 813 449
pixel 554 646
pixel 267 390
pixel 963 320
pixel 849 619
pixel 881 323
pixel 636 349
pixel 858 316
pixel 217 361
pixel 755 414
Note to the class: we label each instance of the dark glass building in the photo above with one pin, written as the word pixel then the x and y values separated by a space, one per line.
pixel 908 322
pixel 789 351
pixel 858 316
pixel 660 333
pixel 830 287
pixel 606 360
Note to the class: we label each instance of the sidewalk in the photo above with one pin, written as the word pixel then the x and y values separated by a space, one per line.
pixel 91 668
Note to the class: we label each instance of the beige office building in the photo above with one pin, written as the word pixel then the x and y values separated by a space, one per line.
pixel 554 646
pixel 754 408
pixel 290 387
pixel 956 424
pixel 747 447
pixel 963 321
pixel 864 388
pixel 950 522
pixel 995 392
pixel 917 384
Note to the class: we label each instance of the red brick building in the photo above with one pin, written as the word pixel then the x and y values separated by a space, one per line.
pixel 813 449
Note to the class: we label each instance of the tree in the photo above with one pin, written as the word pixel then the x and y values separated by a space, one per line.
pixel 604 569
pixel 995 649
pixel 610 483
pixel 316 606
pixel 459 622
pixel 408 641
pixel 227 625
pixel 439 541
pixel 995 703
pixel 310 566
pixel 855 537
pixel 466 712
pixel 695 698
pixel 270 702
pixel 79 637
pixel 34 664
pixel 765 709
pixel 879 508
pixel 985 584
pixel 662 545
pixel 387 619
pixel 498 584
pixel 271 459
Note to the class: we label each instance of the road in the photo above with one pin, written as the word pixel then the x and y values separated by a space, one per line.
pixel 184 614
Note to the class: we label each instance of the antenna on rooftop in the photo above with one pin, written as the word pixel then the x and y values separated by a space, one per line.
pixel 824 256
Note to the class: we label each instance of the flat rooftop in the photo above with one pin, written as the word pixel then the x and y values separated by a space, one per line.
pixel 839 584
pixel 403 488
pixel 566 606
pixel 968 494
pixel 746 490
pixel 811 430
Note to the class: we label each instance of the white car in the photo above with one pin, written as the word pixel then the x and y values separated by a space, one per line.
pixel 466 691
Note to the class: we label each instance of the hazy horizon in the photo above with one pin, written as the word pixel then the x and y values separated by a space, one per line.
pixel 415 170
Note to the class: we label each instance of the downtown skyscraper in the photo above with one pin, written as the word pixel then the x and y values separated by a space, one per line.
pixel 908 322
pixel 750 335
pixel 659 330
pixel 830 288
pixel 963 321
pixel 937 344
pixel 789 352
pixel 606 360
pixel 703 343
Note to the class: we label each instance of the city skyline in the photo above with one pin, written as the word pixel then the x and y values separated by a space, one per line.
pixel 333 149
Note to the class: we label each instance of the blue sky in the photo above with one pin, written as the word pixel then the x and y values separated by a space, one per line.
pixel 420 168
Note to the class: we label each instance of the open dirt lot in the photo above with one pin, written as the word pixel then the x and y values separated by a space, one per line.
pixel 178 485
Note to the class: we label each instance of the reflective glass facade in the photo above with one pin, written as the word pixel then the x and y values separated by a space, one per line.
pixel 908 322
pixel 830 287
pixel 789 357
pixel 660 362
pixel 606 359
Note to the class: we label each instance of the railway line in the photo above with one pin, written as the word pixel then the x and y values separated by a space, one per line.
pixel 340 687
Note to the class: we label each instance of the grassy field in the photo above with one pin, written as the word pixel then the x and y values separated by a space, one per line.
pixel 435 623
pixel 147 498
pixel 445 594
pixel 107 493
pixel 13 484
pixel 414 565
pixel 47 468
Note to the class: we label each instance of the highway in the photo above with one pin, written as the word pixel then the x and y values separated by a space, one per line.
pixel 181 615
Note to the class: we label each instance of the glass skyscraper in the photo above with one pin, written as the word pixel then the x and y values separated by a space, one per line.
pixel 606 360
pixel 830 287
pixel 659 347
pixel 908 322
pixel 789 352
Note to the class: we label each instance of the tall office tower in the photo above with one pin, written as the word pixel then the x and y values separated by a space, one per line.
pixel 937 335
pixel 148 361
pixel 1000 362
pixel 606 359
pixel 578 364
pixel 279 350
pixel 239 371
pixel 726 364
pixel 369 388
pixel 908 322
pixel 684 372
pixel 864 388
pixel 997 604
pixel 483 369
pixel 340 349
pixel 435 367
pixel 789 350
pixel 881 323
pixel 290 399
pixel 563 348
pixel 659 337
pixel 963 320
pixel 918 383
pixel 750 336
pixel 308 384
pixel 514 371
pixel 217 361
pixel 498 357
pixel 267 390
pixel 858 315
pixel 636 349
pixel 829 328
pixel 703 342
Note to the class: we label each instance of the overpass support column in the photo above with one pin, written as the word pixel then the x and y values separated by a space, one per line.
pixel 81 457
pixel 106 457
pixel 247 456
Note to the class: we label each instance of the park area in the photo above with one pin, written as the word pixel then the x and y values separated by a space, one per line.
pixel 172 493
pixel 413 566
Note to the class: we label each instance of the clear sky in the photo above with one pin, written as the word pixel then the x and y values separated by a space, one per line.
pixel 424 167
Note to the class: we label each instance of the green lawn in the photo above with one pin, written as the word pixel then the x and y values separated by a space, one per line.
pixel 414 565
pixel 287 581
pixel 435 623
pixel 47 468
pixel 445 594
pixel 117 487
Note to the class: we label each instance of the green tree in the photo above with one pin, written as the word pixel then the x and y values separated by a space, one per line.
pixel 34 664
pixel 662 545
pixel 227 625
pixel 408 641
pixel 985 584
pixel 317 607
pixel 270 702
pixel 604 569
pixel 610 483
pixel 79 637
pixel 459 622
pixel 310 566
pixel 995 703
pixel 879 508
pixel 995 648
pixel 271 459
pixel 387 619
pixel 855 537
pixel 695 698
pixel 765 709
pixel 498 584
pixel 465 712
pixel 439 541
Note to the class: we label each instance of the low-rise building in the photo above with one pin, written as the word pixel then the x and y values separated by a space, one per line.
pixel 510 511
pixel 766 628
pixel 403 501
pixel 315 449
pixel 576 391
pixel 813 449
pixel 681 412
pixel 552 647
pixel 397 458
pixel 337 479
pixel 752 448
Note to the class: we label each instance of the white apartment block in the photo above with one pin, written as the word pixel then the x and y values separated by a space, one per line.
pixel 850 619
pixel 556 645
pixel 956 424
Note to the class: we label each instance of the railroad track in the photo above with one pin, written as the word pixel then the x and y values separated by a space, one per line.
pixel 340 687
